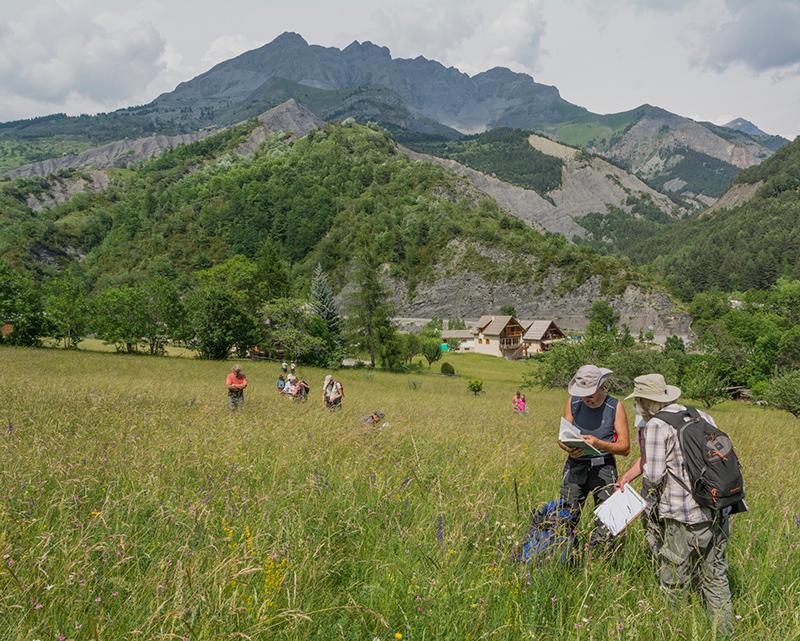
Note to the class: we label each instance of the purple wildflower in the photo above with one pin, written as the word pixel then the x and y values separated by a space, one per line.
pixel 797 520
pixel 440 529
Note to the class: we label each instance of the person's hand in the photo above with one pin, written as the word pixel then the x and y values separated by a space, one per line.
pixel 575 452
pixel 620 483
pixel 595 442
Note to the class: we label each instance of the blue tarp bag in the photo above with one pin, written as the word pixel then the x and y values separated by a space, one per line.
pixel 550 535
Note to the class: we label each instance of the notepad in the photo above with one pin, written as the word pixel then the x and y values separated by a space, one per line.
pixel 570 436
pixel 620 509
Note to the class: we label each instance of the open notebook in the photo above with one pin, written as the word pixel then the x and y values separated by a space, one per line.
pixel 570 436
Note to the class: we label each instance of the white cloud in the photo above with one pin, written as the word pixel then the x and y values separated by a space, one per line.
pixel 762 36
pixel 227 47
pixel 52 56
pixel 470 36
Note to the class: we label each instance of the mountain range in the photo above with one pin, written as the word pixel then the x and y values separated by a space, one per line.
pixel 419 98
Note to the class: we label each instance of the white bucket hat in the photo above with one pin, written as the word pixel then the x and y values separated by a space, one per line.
pixel 653 387
pixel 587 379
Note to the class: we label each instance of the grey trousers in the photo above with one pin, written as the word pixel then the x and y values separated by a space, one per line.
pixel 235 402
pixel 698 552
pixel 582 479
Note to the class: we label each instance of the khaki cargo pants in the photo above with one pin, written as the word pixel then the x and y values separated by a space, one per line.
pixel 697 552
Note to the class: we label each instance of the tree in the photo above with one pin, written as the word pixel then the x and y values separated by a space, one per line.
pixel 325 306
pixel 674 345
pixel 221 323
pixel 788 354
pixel 703 383
pixel 272 273
pixel 431 350
pixel 119 317
pixel 783 392
pixel 293 327
pixel 20 307
pixel 371 311
pixel 164 313
pixel 602 319
pixel 508 310
pixel 237 275
pixel 66 304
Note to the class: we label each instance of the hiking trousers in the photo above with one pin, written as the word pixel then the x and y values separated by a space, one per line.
pixel 581 478
pixel 697 551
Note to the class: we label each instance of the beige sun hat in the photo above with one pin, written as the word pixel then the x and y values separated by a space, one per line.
pixel 587 379
pixel 653 387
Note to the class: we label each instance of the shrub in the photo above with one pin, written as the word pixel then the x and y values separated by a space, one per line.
pixel 448 369
pixel 475 386
pixel 783 392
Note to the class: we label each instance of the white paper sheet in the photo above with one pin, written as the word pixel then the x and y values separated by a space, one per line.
pixel 620 509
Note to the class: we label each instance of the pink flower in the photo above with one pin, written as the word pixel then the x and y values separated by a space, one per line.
pixel 61 637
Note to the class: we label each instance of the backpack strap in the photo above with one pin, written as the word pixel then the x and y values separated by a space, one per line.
pixel 676 420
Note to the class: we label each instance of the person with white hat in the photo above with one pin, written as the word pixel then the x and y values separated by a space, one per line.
pixel 688 540
pixel 602 422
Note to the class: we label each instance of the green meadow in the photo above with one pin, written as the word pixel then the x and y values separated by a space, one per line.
pixel 134 506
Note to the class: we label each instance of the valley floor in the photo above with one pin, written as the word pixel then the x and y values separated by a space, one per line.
pixel 134 506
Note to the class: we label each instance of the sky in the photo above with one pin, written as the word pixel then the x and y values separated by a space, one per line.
pixel 706 59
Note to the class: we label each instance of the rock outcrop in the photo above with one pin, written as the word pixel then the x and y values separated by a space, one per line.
pixel 588 184
pixel 122 153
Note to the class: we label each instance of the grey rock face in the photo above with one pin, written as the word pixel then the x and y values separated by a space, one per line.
pixel 469 295
pixel 121 153
pixel 60 190
pixel 587 186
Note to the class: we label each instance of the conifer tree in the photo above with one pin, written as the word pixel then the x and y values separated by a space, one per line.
pixel 324 304
pixel 371 312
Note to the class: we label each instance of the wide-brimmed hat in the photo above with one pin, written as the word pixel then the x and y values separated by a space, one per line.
pixel 587 379
pixel 653 387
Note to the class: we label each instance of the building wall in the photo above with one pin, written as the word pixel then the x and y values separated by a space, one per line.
pixel 488 345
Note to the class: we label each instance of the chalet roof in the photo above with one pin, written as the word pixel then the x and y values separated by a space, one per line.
pixel 538 329
pixel 526 324
pixel 462 334
pixel 495 325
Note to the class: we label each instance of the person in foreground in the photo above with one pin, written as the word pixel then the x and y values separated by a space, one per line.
pixel 601 420
pixel 236 382
pixel 691 541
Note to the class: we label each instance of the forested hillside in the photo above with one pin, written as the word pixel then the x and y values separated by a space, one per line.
pixel 200 204
pixel 747 247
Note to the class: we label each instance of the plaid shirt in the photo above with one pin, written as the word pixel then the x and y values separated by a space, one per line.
pixel 662 461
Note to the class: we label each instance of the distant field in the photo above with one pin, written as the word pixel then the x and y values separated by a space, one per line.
pixel 14 153
pixel 134 506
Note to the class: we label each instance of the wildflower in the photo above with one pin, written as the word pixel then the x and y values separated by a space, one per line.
pixel 440 529
pixel 37 605
pixel 797 520
pixel 78 626
pixel 9 563
pixel 398 635
pixel 97 600
pixel 738 617
pixel 93 514
pixel 115 594
pixel 60 637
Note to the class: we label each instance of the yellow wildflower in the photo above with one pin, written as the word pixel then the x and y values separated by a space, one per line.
pixel 398 635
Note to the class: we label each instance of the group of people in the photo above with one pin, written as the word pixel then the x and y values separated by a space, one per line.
pixel 520 404
pixel 687 540
pixel 288 384
pixel 292 386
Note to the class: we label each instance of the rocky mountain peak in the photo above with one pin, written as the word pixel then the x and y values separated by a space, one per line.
pixel 745 126
pixel 366 48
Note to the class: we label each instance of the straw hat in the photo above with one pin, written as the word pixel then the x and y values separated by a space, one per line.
pixel 653 387
pixel 587 379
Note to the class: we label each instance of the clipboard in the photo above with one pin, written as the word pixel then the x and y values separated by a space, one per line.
pixel 620 509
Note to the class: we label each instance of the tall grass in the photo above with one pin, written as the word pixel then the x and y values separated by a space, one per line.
pixel 134 506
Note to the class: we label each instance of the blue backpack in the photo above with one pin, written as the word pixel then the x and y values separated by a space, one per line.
pixel 550 535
